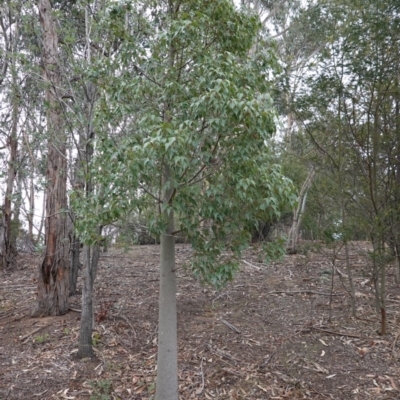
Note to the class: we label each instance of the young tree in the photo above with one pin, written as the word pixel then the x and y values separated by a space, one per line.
pixel 192 148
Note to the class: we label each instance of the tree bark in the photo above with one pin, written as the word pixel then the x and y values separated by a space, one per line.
pixel 90 262
pixel 8 251
pixel 167 355
pixel 91 253
pixel 53 284
pixel 299 212
pixel 75 247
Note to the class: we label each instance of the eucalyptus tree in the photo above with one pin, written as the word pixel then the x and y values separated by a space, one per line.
pixel 185 117
pixel 53 271
pixel 10 81
pixel 85 97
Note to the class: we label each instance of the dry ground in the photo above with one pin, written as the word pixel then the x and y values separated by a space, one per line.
pixel 267 335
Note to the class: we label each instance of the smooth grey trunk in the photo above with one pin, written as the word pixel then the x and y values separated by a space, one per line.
pixel 397 254
pixel 379 276
pixel 15 224
pixel 75 248
pixel 382 296
pixel 348 266
pixel 91 253
pixel 375 275
pixel 29 187
pixel 90 262
pixel 299 212
pixel 40 230
pixel 350 277
pixel 167 355
pixel 8 248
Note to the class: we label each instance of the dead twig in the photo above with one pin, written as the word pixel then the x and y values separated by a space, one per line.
pixel 302 291
pixel 267 360
pixel 251 265
pixel 41 394
pixel 22 338
pixel 230 326
pixel 394 345
pixel 219 296
pixel 125 319
pixel 338 333
pixel 221 353
pixel 200 390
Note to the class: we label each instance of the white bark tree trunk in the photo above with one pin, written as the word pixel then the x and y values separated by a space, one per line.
pixel 299 212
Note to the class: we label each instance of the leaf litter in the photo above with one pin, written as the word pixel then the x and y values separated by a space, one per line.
pixel 267 335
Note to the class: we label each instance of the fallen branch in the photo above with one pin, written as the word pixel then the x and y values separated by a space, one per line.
pixel 22 338
pixel 302 291
pixel 394 344
pixel 252 265
pixel 230 326
pixel 200 390
pixel 221 353
pixel 338 333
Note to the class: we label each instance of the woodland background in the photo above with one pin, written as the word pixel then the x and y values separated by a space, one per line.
pixel 207 123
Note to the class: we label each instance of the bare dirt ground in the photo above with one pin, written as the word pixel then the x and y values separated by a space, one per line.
pixel 267 335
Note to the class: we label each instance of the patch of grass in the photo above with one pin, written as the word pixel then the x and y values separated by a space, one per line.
pixel 96 339
pixel 40 339
pixel 101 390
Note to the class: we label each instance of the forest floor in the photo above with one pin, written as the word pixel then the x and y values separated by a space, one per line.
pixel 273 333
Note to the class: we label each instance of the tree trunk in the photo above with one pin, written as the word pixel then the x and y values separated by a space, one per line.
pixel 90 263
pixel 91 253
pixel 31 212
pixel 53 272
pixel 75 247
pixel 15 223
pixel 299 212
pixel 8 250
pixel 351 283
pixel 382 295
pixel 167 356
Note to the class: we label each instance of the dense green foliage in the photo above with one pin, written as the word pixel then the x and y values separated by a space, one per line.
pixel 215 141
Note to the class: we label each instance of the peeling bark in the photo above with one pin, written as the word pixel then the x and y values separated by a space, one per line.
pixel 53 272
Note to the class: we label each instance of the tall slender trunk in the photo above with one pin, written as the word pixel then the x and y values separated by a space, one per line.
pixel 350 277
pixel 299 212
pixel 53 271
pixel 167 356
pixel 91 253
pixel 40 229
pixel 382 293
pixel 397 185
pixel 90 261
pixel 75 248
pixel 8 250
pixel 31 212
pixel 15 223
